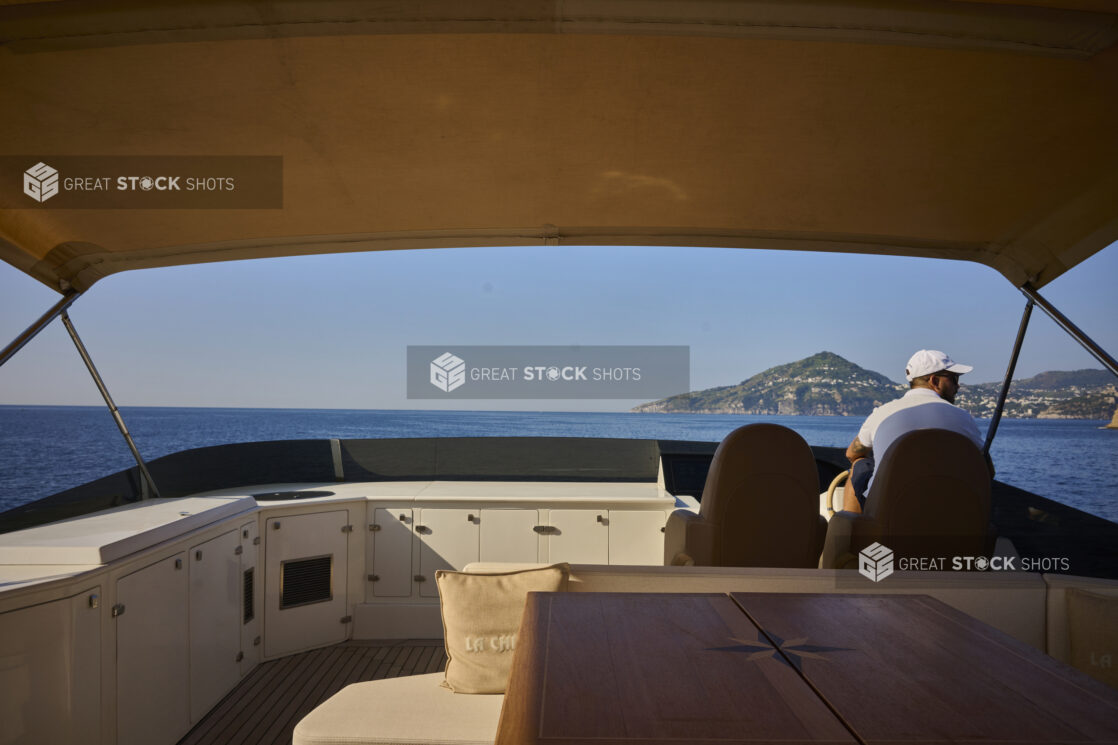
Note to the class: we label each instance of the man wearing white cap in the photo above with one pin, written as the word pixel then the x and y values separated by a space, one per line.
pixel 933 380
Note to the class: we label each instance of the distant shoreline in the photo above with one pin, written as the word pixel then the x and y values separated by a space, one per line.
pixel 826 384
pixel 1109 424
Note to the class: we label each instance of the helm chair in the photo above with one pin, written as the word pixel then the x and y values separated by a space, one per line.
pixel 759 508
pixel 930 498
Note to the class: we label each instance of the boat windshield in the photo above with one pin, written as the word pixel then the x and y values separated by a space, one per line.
pixel 317 347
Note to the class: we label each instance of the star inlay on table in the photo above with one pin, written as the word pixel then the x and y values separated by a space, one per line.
pixel 789 652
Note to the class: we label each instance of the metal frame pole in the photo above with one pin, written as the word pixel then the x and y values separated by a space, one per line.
pixel 1076 333
pixel 109 401
pixel 1008 377
pixel 34 329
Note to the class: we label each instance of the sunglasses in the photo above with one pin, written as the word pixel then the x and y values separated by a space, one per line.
pixel 953 376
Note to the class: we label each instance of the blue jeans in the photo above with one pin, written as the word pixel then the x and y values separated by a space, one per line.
pixel 860 474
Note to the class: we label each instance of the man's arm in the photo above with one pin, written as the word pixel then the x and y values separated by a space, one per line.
pixel 857 451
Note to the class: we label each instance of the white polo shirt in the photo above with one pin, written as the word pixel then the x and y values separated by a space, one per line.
pixel 918 408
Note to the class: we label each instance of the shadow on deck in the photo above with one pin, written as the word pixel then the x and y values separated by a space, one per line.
pixel 265 707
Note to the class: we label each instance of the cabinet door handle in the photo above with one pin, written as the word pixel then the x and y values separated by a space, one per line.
pixel 546 529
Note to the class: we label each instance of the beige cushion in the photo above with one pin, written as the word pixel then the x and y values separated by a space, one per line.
pixel 1056 620
pixel 1093 634
pixel 481 618
pixel 396 711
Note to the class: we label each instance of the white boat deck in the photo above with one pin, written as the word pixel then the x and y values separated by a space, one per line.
pixel 270 701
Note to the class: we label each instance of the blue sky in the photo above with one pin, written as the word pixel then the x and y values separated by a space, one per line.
pixel 331 331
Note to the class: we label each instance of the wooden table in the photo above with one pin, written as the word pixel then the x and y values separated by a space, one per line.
pixel 787 668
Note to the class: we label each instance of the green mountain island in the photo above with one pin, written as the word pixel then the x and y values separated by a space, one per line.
pixel 826 384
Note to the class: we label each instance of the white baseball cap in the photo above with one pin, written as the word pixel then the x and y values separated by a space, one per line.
pixel 928 361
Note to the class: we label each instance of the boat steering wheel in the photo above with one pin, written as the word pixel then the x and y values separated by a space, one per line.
pixel 835 483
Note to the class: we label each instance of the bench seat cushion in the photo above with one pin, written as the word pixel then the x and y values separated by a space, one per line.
pixel 408 710
pixel 481 618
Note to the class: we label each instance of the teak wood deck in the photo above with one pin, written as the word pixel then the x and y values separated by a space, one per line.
pixel 265 707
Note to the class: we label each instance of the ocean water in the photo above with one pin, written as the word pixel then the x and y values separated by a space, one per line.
pixel 45 449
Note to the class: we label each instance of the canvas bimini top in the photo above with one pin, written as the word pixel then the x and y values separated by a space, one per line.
pixel 962 130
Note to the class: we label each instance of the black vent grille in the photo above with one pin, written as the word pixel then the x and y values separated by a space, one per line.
pixel 306 581
pixel 249 589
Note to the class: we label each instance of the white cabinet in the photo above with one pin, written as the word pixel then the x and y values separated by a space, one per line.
pixel 180 631
pixel 448 525
pixel 636 537
pixel 152 654
pixel 252 582
pixel 509 535
pixel 307 560
pixel 448 539
pixel 50 671
pixel 578 536
pixel 388 553
pixel 215 620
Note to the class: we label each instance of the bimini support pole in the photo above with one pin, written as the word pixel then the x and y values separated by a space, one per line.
pixel 33 330
pixel 109 402
pixel 1099 353
pixel 1008 377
